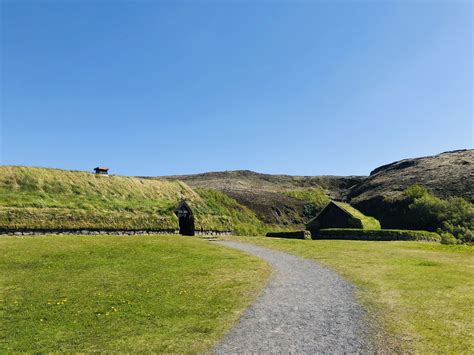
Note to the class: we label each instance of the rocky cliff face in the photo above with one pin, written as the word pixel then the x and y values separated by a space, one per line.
pixel 446 174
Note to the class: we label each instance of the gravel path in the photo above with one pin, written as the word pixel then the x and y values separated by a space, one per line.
pixel 305 308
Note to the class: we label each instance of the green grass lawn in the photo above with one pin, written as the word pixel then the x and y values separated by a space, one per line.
pixel 127 294
pixel 421 293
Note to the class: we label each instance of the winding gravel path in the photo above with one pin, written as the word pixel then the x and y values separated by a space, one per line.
pixel 305 308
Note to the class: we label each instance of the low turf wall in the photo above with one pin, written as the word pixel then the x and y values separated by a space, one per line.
pixel 377 234
pixel 4 231
pixel 290 235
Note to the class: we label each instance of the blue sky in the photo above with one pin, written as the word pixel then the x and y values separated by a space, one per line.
pixel 303 88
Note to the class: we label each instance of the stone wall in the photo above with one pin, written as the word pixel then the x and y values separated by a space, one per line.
pixel 290 235
pixel 211 232
pixel 111 232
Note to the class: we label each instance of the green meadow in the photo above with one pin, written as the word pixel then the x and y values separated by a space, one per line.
pixel 421 294
pixel 121 294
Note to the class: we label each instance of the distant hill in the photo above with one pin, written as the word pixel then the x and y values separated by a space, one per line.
pixel 283 199
pixel 245 201
pixel 276 199
pixel 445 175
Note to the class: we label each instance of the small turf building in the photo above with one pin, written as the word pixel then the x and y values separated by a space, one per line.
pixel 340 215
pixel 101 170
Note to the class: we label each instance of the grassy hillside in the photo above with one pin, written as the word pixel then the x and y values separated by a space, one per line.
pixel 282 200
pixel 109 294
pixel 291 200
pixel 314 195
pixel 244 201
pixel 53 198
pixel 315 199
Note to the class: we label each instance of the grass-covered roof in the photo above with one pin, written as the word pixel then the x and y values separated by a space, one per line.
pixel 39 198
pixel 366 222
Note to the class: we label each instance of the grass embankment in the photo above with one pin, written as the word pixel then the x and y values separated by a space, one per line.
pixel 37 198
pixel 121 294
pixel 422 293
pixel 376 234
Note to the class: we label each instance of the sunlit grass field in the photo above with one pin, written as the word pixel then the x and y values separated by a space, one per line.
pixel 176 294
pixel 421 293
pixel 121 294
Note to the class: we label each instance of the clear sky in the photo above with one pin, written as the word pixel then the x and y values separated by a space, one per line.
pixel 176 87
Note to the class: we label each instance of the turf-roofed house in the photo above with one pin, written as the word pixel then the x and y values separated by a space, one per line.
pixel 101 170
pixel 340 215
